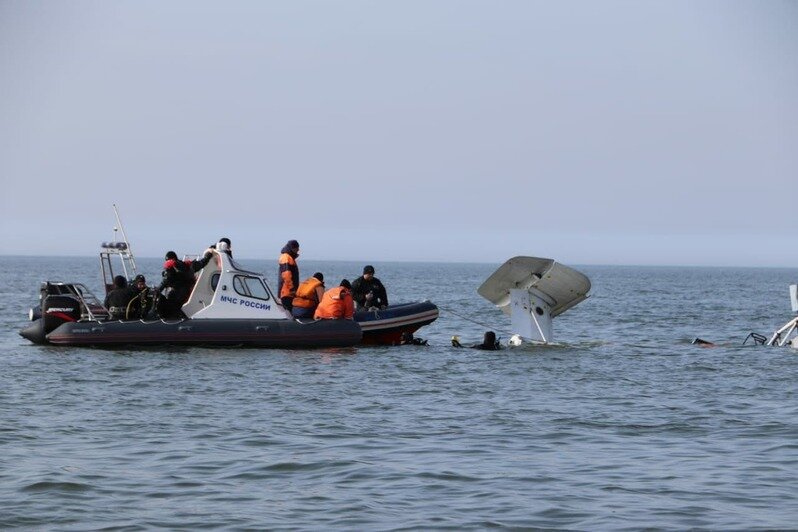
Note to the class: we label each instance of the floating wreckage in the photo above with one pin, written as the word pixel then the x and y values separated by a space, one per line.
pixel 533 291
pixel 787 334
pixel 784 336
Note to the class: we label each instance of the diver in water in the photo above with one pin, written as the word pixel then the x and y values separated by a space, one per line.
pixel 407 338
pixel 489 342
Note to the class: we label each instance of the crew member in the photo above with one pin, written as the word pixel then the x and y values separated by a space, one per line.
pixel 225 245
pixel 139 307
pixel 118 298
pixel 368 291
pixel 308 295
pixel 336 303
pixel 288 273
pixel 178 276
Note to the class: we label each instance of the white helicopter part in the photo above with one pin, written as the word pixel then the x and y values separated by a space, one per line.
pixel 533 291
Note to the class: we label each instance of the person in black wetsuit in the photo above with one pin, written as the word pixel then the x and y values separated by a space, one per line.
pixel 143 301
pixel 407 338
pixel 178 277
pixel 489 342
pixel 368 291
pixel 118 298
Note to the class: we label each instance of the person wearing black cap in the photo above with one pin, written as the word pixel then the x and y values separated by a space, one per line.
pixel 142 303
pixel 118 298
pixel 178 276
pixel 368 291
pixel 336 303
pixel 288 274
pixel 308 295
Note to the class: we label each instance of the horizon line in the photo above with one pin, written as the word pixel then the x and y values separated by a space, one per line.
pixel 451 262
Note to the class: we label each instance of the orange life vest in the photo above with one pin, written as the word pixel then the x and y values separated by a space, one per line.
pixel 336 304
pixel 306 295
pixel 289 276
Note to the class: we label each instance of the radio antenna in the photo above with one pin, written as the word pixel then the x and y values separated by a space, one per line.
pixel 124 235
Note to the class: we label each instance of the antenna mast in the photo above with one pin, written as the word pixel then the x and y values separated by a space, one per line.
pixel 124 235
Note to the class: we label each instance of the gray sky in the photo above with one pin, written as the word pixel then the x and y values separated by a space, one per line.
pixel 589 132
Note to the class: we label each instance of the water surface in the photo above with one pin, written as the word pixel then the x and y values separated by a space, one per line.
pixel 622 425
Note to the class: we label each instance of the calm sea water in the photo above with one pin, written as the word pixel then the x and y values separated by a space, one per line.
pixel 625 425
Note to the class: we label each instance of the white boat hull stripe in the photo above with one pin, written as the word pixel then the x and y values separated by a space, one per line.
pixel 402 320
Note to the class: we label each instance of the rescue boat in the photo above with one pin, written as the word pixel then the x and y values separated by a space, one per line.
pixel 387 326
pixel 228 306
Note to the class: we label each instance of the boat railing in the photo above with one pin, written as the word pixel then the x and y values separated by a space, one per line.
pixel 119 249
pixel 122 250
pixel 90 307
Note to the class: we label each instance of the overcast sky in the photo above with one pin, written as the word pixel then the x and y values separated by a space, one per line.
pixel 589 132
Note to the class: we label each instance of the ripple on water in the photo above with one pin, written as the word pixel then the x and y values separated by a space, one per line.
pixel 56 486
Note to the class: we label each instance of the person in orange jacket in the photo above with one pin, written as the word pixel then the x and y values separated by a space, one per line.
pixel 288 274
pixel 308 296
pixel 336 303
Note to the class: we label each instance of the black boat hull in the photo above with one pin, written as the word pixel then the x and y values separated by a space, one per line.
pixel 386 326
pixel 207 332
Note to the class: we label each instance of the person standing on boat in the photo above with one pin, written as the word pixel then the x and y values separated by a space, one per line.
pixel 178 276
pixel 336 303
pixel 118 298
pixel 308 296
pixel 368 291
pixel 288 274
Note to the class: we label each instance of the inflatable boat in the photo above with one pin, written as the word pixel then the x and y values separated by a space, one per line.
pixel 386 326
pixel 228 306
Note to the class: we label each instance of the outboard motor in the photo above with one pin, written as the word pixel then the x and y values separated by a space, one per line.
pixel 55 310
pixel 59 309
